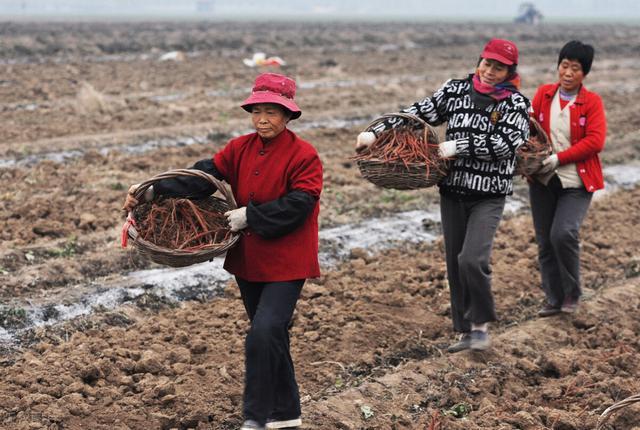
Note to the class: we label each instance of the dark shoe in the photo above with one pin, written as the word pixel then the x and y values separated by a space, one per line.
pixel 251 425
pixel 480 340
pixel 284 424
pixel 548 310
pixel 463 343
pixel 570 304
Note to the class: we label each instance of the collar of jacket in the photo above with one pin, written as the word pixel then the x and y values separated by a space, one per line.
pixel 285 135
pixel 580 98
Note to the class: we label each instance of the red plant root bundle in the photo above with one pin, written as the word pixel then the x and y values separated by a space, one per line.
pixel 181 224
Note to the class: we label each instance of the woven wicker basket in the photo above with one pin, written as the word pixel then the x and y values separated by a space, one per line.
pixel 397 175
pixel 176 257
pixel 613 408
pixel 528 162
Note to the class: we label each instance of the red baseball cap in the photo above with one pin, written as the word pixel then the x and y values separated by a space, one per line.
pixel 273 88
pixel 501 50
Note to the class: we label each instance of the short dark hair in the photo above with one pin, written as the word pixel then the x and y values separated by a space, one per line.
pixel 577 51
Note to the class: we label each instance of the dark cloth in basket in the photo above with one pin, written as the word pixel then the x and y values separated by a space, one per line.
pixel 270 220
pixel 487 139
pixel 189 186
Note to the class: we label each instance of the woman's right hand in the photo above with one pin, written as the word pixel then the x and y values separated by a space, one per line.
pixel 130 202
pixel 364 140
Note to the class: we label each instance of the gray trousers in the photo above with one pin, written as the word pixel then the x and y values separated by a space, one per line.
pixel 557 216
pixel 469 228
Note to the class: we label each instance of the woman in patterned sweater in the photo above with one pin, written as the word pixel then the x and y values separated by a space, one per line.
pixel 487 120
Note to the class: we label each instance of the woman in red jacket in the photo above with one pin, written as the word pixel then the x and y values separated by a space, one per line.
pixel 561 193
pixel 276 179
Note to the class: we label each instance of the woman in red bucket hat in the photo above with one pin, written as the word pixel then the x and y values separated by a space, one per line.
pixel 487 120
pixel 274 89
pixel 276 179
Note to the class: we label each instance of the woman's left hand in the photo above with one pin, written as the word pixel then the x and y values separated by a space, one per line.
pixel 237 218
pixel 447 149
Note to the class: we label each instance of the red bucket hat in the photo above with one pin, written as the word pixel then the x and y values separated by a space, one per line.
pixel 501 50
pixel 273 88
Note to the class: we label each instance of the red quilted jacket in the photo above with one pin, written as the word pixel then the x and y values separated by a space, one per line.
pixel 588 131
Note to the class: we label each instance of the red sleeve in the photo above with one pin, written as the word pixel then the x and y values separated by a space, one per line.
pixel 307 174
pixel 595 132
pixel 224 160
pixel 535 103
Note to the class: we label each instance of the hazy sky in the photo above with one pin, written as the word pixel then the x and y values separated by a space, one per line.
pixel 451 9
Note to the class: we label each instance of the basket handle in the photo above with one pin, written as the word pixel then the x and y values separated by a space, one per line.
pixel 539 130
pixel 384 116
pixel 220 185
pixel 427 127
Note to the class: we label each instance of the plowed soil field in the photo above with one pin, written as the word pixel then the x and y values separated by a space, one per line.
pixel 79 102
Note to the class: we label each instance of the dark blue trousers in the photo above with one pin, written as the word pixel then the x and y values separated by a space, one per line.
pixel 270 389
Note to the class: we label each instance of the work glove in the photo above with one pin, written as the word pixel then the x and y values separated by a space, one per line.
pixel 131 202
pixel 549 164
pixel 447 149
pixel 237 218
pixel 364 140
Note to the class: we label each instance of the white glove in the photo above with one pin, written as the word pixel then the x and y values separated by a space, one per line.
pixel 237 218
pixel 549 164
pixel 448 148
pixel 364 140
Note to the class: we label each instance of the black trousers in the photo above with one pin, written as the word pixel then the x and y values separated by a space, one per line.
pixel 469 228
pixel 270 389
pixel 557 216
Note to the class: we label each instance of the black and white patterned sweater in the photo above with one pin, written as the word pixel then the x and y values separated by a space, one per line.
pixel 486 138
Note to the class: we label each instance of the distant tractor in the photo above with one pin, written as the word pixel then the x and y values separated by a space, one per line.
pixel 204 5
pixel 528 14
